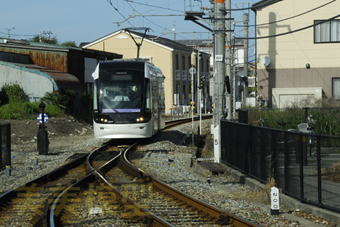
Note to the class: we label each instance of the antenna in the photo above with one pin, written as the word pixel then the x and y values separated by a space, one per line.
pixel 9 31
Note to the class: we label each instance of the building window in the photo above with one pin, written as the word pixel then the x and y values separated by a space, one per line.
pixel 327 32
pixel 183 62
pixel 336 88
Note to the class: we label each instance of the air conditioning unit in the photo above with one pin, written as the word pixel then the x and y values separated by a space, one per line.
pixel 251 81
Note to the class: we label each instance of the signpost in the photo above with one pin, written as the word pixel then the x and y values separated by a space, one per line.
pixel 42 118
pixel 42 137
pixel 274 201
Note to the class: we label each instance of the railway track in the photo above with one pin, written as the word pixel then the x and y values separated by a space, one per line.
pixel 104 188
pixel 92 201
pixel 165 202
pixel 25 206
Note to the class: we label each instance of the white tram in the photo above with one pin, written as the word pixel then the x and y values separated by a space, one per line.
pixel 128 99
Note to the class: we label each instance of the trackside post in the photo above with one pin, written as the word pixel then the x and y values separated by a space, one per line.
pixel 42 137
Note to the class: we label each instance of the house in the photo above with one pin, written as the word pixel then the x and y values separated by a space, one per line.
pixel 298 43
pixel 207 46
pixel 41 68
pixel 173 58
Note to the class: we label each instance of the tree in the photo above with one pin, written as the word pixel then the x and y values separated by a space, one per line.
pixel 45 37
pixel 69 44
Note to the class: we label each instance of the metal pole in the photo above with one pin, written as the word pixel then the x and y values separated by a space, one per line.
pixel 233 70
pixel 219 75
pixel 246 47
pixel 42 136
pixel 5 145
pixel 318 158
pixel 229 59
pixel 192 107
pixel 199 90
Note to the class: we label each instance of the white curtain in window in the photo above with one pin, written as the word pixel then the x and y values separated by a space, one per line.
pixel 325 31
pixel 336 88
pixel 317 32
pixel 335 31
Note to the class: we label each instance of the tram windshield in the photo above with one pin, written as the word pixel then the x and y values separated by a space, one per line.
pixel 120 91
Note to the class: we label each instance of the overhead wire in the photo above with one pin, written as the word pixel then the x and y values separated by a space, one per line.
pixel 288 18
pixel 133 8
pixel 13 34
pixel 130 2
pixel 293 31
pixel 154 6
pixel 116 9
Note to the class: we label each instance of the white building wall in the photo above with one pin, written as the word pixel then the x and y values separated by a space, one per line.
pixel 34 84
pixel 296 49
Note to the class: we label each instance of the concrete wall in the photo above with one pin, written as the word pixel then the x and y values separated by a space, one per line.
pixel 289 54
pixel 34 83
pixel 303 97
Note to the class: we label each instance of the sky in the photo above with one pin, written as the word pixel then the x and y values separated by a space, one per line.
pixel 88 20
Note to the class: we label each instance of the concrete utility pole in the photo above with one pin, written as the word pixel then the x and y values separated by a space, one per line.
pixel 229 103
pixel 246 47
pixel 219 75
pixel 199 91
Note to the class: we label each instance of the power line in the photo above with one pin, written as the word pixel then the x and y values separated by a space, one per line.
pixel 18 35
pixel 154 6
pixel 133 8
pixel 145 17
pixel 116 9
pixel 288 18
pixel 237 9
pixel 290 32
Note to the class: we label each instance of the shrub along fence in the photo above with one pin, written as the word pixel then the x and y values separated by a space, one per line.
pixel 305 166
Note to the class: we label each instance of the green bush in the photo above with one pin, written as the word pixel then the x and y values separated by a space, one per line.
pixel 325 121
pixel 11 93
pixel 26 110
pixel 275 118
pixel 16 110
pixel 15 103
pixel 61 99
pixel 51 109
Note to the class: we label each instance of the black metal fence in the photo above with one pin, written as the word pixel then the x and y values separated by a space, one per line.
pixel 305 166
pixel 5 145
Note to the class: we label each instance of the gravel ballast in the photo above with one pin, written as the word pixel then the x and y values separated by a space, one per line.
pixel 167 159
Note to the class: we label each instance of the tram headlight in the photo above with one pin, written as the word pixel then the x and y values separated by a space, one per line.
pixel 140 119
pixel 143 117
pixel 105 119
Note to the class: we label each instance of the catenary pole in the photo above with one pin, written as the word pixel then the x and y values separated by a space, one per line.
pixel 199 91
pixel 230 101
pixel 246 44
pixel 219 74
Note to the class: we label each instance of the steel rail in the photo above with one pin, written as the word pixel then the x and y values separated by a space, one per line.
pixel 220 215
pixel 57 206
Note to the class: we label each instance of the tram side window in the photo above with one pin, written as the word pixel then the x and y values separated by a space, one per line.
pixel 147 96
pixel 95 100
